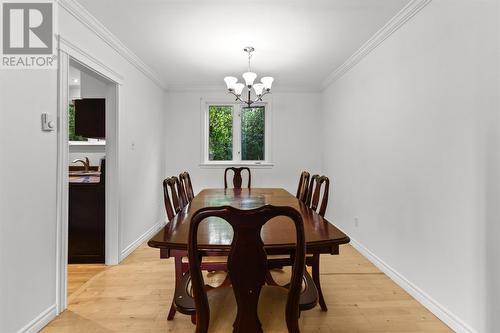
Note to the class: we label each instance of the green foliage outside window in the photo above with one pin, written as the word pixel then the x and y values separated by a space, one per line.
pixel 71 125
pixel 220 133
pixel 252 133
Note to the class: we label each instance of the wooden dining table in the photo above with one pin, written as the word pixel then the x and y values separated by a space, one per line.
pixel 215 235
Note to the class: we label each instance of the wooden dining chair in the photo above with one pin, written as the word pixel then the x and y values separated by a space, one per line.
pixel 187 186
pixel 314 193
pixel 176 199
pixel 174 203
pixel 312 200
pixel 237 179
pixel 253 306
pixel 303 184
pixel 310 190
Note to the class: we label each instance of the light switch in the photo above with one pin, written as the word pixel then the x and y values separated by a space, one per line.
pixel 48 123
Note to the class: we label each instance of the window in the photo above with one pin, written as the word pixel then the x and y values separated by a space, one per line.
pixel 236 134
pixel 253 125
pixel 220 133
pixel 71 124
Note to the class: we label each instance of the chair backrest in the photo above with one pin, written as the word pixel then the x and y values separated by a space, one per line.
pixel 247 265
pixel 313 194
pixel 303 184
pixel 187 186
pixel 237 180
pixel 173 202
pixel 102 180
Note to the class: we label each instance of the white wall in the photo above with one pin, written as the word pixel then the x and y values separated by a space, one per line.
pixel 295 139
pixel 405 142
pixel 492 285
pixel 28 197
pixel 74 92
pixel 28 189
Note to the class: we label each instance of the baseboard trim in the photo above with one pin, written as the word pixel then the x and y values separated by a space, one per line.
pixel 423 298
pixel 40 321
pixel 145 236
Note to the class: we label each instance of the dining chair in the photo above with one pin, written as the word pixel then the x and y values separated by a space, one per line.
pixel 310 190
pixel 237 179
pixel 187 186
pixel 314 193
pixel 303 184
pixel 312 200
pixel 174 196
pixel 248 306
pixel 175 201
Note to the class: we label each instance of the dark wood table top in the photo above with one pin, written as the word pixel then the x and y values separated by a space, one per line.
pixel 278 234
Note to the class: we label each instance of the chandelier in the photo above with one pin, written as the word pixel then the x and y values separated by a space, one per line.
pixel 260 89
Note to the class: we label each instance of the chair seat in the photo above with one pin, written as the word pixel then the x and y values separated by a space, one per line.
pixel 271 309
pixel 185 303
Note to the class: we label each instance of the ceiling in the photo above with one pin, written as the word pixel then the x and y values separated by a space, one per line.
pixel 195 43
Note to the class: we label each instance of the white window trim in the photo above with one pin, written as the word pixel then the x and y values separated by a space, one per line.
pixel 206 163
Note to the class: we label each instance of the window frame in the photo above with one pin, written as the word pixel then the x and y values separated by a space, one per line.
pixel 237 107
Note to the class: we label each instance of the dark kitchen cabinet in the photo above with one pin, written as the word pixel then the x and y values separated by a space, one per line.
pixel 90 117
pixel 86 227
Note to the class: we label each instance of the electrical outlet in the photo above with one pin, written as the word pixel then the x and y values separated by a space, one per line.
pixel 356 222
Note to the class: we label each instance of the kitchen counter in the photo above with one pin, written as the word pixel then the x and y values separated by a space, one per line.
pixel 94 178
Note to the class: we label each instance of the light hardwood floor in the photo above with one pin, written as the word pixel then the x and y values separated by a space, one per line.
pixel 135 297
pixel 79 274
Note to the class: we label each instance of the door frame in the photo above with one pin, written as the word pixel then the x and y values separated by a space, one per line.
pixel 68 51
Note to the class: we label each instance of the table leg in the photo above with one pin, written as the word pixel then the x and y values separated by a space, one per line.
pixel 315 276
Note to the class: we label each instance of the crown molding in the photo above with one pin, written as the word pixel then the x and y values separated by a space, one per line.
pixel 87 19
pixel 403 16
pixel 86 59
pixel 221 88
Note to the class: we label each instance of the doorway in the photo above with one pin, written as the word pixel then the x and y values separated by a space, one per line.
pixel 82 78
pixel 88 93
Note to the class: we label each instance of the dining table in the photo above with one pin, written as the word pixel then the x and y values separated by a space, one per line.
pixel 278 235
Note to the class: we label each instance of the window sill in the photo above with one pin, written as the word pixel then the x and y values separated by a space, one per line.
pixel 223 165
pixel 87 143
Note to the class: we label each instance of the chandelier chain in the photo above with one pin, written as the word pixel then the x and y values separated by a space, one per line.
pixel 249 57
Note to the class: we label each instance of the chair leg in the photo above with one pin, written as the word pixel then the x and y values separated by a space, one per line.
pixel 315 276
pixel 178 278
pixel 171 312
pixel 293 324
